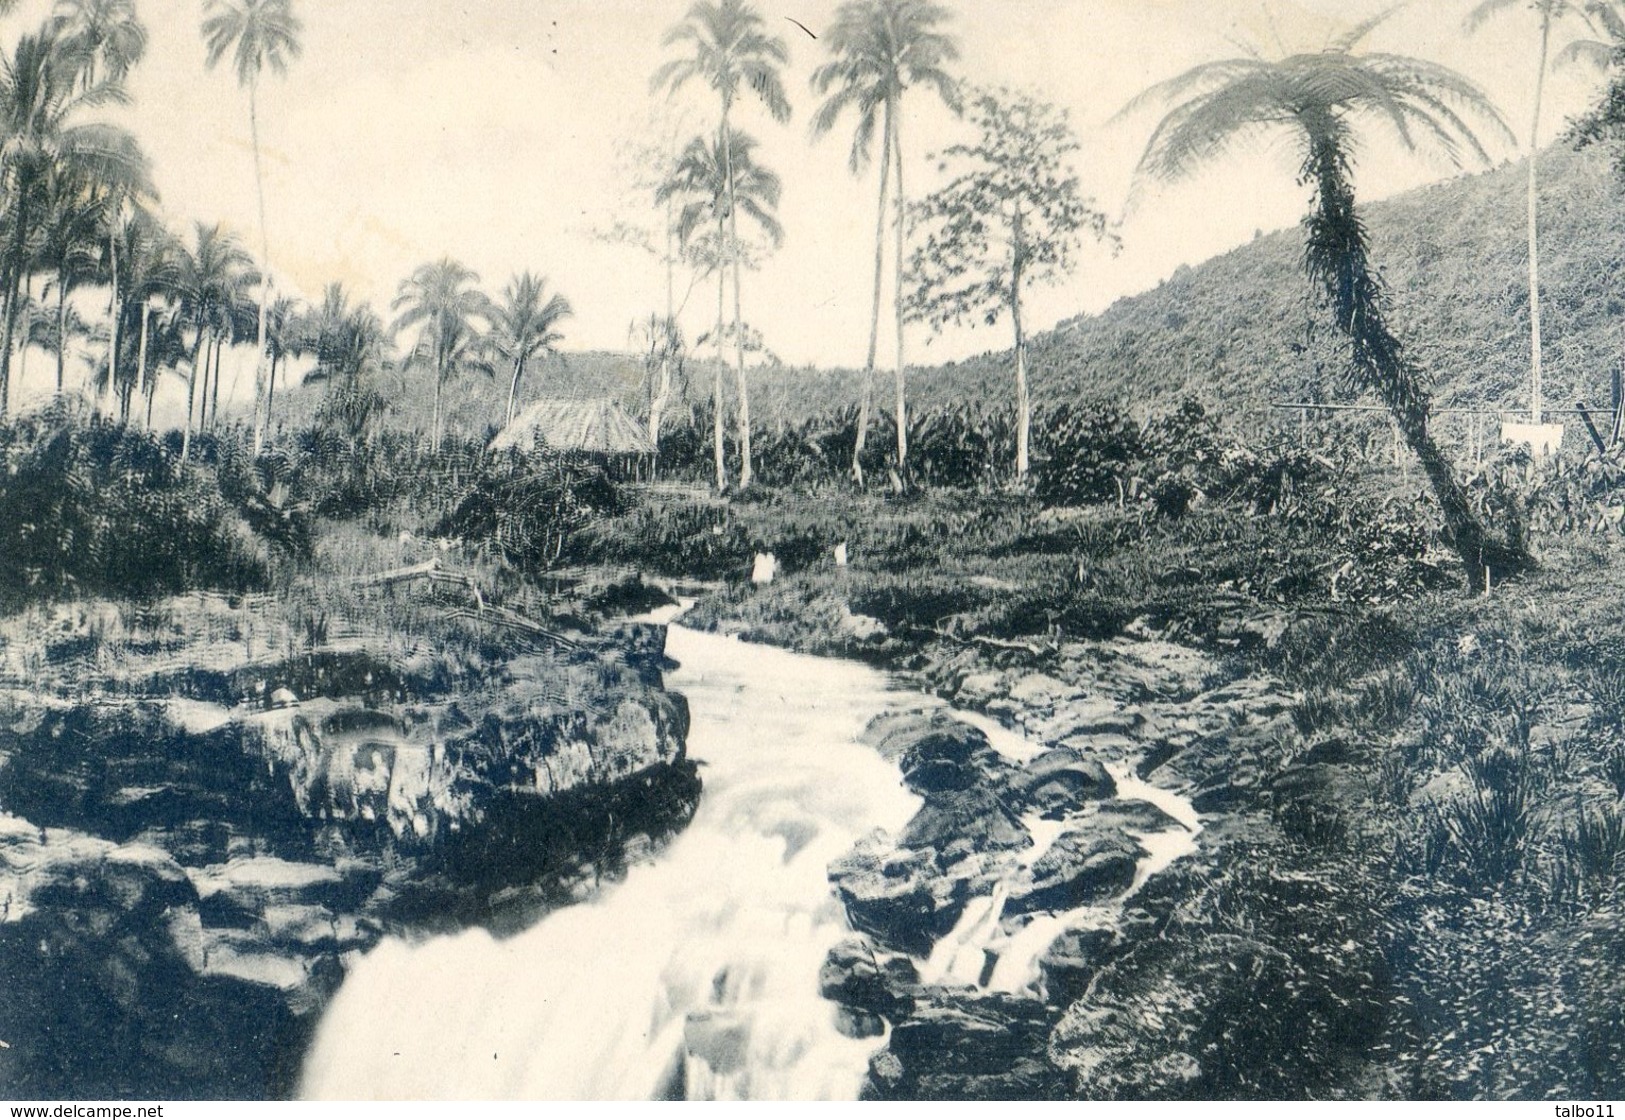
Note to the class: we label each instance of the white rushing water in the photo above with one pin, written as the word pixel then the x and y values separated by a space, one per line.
pixel 699 971
pixel 711 950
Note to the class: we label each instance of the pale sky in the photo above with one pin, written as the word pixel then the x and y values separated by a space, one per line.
pixel 490 131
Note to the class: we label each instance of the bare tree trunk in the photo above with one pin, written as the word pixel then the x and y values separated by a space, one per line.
pixel 513 389
pixel 113 308
pixel 61 330
pixel 716 386
pixel 214 411
pixel 265 271
pixel 1536 404
pixel 1023 404
pixel 742 414
pixel 867 389
pixel 902 366
pixel 141 361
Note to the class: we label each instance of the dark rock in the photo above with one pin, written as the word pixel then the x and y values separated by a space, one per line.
pixel 858 1024
pixel 1081 867
pixel 1072 960
pixel 935 752
pixel 1058 781
pixel 899 898
pixel 858 977
pixel 960 822
pixel 964 1045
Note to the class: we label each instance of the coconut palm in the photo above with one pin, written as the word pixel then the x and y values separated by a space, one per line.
pixel 880 48
pixel 712 185
pixel 70 253
pixel 43 130
pixel 1320 100
pixel 441 301
pixel 108 32
pixel 148 267
pixel 524 328
pixel 257 34
pixel 726 48
pixel 1549 16
pixel 284 340
pixel 211 275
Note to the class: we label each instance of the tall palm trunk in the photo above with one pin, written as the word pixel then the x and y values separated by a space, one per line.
pixel 14 271
pixel 439 383
pixel 1536 404
pixel 902 367
pixel 743 408
pixel 113 308
pixel 1023 404
pixel 265 272
pixel 1337 255
pixel 61 328
pixel 141 361
pixel 191 393
pixel 661 396
pixel 716 383
pixel 214 408
pixel 866 391
pixel 513 389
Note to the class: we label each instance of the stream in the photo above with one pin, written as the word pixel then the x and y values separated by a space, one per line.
pixel 696 976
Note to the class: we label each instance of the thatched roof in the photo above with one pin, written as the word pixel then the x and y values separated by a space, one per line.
pixel 598 426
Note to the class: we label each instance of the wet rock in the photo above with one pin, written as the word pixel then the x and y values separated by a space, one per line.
pixel 935 752
pixel 1081 867
pixel 898 897
pixel 858 977
pixel 963 1045
pixel 957 823
pixel 1073 959
pixel 1057 782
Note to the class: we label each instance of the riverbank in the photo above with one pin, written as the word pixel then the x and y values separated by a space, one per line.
pixel 1409 820
pixel 213 806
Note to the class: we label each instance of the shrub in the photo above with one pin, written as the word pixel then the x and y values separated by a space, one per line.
pixel 90 507
pixel 530 508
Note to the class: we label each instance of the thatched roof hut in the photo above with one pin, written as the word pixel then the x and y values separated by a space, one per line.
pixel 594 427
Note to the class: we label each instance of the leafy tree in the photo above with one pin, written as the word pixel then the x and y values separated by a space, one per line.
pixel 442 303
pixel 712 186
pixel 44 102
pixel 880 48
pixel 1013 215
pixel 257 34
pixel 727 49
pixel 524 328
pixel 1319 99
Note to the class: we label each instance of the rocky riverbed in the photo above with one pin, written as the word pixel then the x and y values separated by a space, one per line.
pixel 1068 780
pixel 206 813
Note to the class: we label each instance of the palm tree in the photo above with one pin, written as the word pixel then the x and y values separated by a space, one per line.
pixel 148 259
pixel 440 299
pixel 713 185
pixel 70 253
pixel 879 49
pixel 1319 99
pixel 727 49
pixel 257 33
pixel 1549 14
pixel 211 276
pixel 43 101
pixel 284 339
pixel 107 31
pixel 523 328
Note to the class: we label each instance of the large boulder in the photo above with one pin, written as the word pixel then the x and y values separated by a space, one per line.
pixel 936 752
pixel 967 1045
pixel 1083 866
pixel 858 976
pixel 1058 782
pixel 898 897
